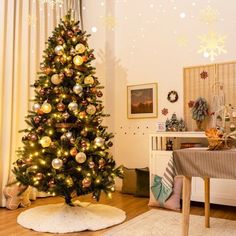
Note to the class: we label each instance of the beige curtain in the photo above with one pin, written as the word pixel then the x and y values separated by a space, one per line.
pixel 25 25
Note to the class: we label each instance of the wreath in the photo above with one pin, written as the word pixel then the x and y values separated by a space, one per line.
pixel 172 96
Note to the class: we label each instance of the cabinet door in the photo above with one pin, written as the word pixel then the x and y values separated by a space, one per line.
pixel 222 191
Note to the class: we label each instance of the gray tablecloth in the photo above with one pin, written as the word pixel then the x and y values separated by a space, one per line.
pixel 204 163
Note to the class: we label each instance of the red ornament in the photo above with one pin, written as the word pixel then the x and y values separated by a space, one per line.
pixel 37 119
pixel 42 92
pixel 204 74
pixel 164 111
pixel 99 94
pixel 33 137
pixel 61 106
pixel 191 104
pixel 70 33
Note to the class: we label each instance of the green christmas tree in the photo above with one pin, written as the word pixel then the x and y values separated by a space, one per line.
pixel 65 147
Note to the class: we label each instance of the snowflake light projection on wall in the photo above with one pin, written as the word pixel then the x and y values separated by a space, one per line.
pixel 109 21
pixel 209 15
pixel 182 41
pixel 53 3
pixel 212 45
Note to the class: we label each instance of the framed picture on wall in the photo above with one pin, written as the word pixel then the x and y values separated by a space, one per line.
pixel 142 101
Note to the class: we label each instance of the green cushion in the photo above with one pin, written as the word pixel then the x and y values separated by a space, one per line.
pixel 142 182
pixel 129 181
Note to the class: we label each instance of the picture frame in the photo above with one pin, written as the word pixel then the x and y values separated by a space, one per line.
pixel 160 126
pixel 142 101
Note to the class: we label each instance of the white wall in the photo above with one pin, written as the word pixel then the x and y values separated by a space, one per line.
pixel 144 48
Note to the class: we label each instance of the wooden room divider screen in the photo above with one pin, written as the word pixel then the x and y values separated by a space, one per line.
pixel 207 81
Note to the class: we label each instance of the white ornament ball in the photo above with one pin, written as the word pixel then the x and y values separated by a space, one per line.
pixel 45 141
pixel 80 48
pixel 57 163
pixel 91 109
pixel 59 50
pixel 46 107
pixel 80 157
pixel 89 80
pixel 77 89
pixel 36 107
pixel 73 106
pixel 56 79
pixel 99 141
pixel 78 60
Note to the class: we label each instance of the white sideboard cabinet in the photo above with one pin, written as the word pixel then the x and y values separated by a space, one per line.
pixel 222 191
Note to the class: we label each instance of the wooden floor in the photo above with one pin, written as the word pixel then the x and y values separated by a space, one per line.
pixel 131 205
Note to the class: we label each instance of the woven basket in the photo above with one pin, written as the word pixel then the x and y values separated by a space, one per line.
pixel 217 144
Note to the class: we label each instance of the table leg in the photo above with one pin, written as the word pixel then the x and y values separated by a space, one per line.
pixel 207 202
pixel 186 204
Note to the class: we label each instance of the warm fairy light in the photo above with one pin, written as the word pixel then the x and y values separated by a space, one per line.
pixel 88 174
pixel 50 132
pixel 32 144
pixel 112 189
pixel 79 168
pixel 98 181
pixel 63 129
pixel 59 152
pixel 57 99
pixel 53 194
pixel 30 155
pixel 63 95
pixel 43 151
pixel 36 153
pixel 36 182
pixel 42 162
pixel 109 195
pixel 66 153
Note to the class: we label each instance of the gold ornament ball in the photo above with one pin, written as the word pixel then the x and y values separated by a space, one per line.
pixel 89 80
pixel 59 49
pixel 80 157
pixel 46 107
pixel 80 48
pixel 57 163
pixel 78 60
pixel 82 114
pixel 45 141
pixel 73 106
pixel 99 141
pixel 91 109
pixel 56 79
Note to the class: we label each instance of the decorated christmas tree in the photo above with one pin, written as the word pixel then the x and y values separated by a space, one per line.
pixel 65 146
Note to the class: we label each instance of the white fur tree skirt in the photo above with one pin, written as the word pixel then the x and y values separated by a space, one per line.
pixel 61 218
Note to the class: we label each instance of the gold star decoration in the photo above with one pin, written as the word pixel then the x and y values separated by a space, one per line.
pixel 212 44
pixel 182 41
pixel 109 21
pixel 209 15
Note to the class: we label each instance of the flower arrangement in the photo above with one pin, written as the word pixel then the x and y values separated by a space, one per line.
pixel 199 109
